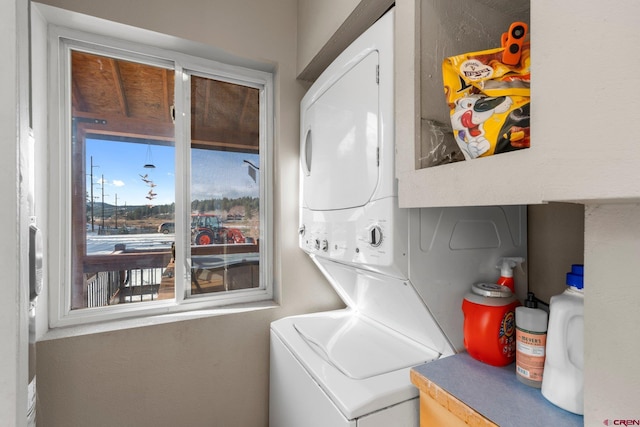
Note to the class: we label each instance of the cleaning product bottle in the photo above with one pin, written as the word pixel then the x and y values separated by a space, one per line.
pixel 563 381
pixel 489 323
pixel 531 339
pixel 506 266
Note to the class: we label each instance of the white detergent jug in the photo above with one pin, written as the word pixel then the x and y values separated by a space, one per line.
pixel 563 383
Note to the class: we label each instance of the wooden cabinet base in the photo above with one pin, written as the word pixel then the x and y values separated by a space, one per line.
pixel 440 409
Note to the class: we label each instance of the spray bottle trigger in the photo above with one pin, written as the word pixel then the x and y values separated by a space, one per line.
pixel 506 266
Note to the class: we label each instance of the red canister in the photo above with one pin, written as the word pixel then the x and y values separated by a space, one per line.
pixel 490 323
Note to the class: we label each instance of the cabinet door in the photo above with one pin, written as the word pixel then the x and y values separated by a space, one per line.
pixel 586 113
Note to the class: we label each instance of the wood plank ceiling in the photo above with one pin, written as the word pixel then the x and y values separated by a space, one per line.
pixel 134 101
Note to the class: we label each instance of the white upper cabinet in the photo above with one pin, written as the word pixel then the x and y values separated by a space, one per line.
pixel 585 90
pixel 586 99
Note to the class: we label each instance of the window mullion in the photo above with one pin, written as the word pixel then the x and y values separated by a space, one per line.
pixel 183 162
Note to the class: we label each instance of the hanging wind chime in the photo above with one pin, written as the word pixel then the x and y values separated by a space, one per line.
pixel 149 159
pixel 149 165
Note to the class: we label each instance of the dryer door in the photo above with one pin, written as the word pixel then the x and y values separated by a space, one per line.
pixel 340 139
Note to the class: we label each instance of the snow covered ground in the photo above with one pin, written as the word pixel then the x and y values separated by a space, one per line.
pixel 99 245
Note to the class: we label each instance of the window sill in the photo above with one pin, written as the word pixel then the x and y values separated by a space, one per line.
pixel 123 324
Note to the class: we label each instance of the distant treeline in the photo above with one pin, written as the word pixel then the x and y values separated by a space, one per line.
pixel 250 206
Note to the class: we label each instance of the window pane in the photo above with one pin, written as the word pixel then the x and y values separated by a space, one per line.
pixel 225 186
pixel 123 168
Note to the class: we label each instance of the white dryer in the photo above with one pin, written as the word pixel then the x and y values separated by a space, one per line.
pixel 401 273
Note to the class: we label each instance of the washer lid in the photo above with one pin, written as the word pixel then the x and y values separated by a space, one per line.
pixel 360 348
pixel 354 397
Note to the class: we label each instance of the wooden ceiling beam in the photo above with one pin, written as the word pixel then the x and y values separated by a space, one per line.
pixel 77 98
pixel 119 87
pixel 207 103
pixel 158 131
pixel 225 146
pixel 127 127
pixel 228 136
pixel 245 106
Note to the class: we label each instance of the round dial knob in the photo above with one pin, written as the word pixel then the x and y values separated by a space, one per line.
pixel 375 236
pixel 325 246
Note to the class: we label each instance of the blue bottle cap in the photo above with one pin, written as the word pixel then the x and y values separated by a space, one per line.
pixel 578 269
pixel 575 280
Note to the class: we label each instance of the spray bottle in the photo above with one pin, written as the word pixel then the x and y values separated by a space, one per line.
pixel 506 266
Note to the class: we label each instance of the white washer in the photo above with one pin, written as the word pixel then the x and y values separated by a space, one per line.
pixel 333 382
pixel 402 273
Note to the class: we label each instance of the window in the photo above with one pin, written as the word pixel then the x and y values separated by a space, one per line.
pixel 162 182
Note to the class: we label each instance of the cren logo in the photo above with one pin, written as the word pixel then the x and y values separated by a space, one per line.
pixel 619 422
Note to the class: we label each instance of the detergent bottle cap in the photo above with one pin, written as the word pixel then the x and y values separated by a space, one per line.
pixel 575 278
pixel 491 290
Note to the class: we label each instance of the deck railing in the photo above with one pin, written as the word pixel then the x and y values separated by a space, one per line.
pixel 123 276
pixel 117 287
pixel 127 276
pixel 101 287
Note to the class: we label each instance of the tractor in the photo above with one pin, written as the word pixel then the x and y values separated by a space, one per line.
pixel 207 229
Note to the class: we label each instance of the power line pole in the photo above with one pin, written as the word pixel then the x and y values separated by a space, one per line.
pixel 116 211
pixel 102 182
pixel 91 177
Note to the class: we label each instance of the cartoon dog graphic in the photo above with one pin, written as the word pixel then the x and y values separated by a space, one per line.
pixel 467 120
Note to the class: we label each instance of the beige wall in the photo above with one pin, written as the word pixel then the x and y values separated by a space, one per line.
pixel 556 240
pixel 317 23
pixel 213 371
pixel 326 28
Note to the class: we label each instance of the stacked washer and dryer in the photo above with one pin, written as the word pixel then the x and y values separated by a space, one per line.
pixel 402 273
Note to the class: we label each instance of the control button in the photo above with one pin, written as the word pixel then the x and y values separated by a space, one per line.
pixel 325 246
pixel 375 236
pixel 317 244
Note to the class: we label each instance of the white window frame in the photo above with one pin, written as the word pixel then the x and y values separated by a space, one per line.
pixel 61 41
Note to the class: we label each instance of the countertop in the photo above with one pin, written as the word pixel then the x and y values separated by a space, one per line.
pixel 493 392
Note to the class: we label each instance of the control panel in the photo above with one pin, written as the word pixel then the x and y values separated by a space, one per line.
pixel 362 236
